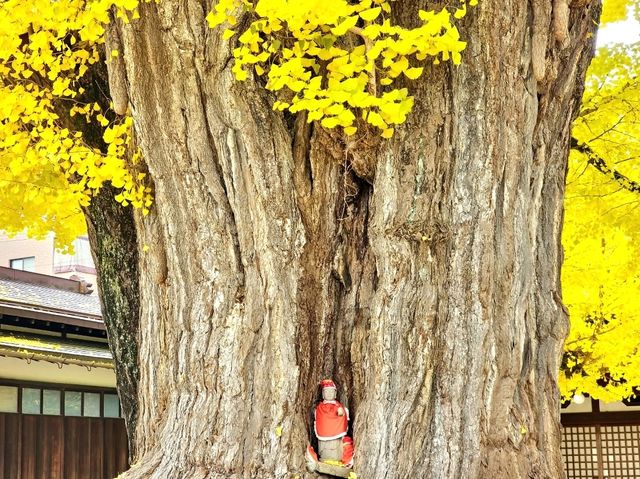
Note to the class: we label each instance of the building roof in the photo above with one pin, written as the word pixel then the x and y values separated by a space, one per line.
pixel 55 349
pixel 37 296
pixel 42 296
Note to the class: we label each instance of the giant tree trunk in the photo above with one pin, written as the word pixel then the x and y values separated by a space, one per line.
pixel 421 273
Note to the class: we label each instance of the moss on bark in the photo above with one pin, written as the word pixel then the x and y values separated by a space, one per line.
pixel 112 234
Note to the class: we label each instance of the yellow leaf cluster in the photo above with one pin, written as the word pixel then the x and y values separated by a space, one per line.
pixel 601 273
pixel 47 171
pixel 618 10
pixel 334 58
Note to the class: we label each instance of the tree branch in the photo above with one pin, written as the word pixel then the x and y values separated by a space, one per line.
pixel 602 166
pixel 373 82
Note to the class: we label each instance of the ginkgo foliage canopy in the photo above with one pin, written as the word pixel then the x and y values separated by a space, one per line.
pixel 350 80
pixel 601 273
pixel 48 171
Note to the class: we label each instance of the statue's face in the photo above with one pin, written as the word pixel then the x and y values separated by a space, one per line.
pixel 329 394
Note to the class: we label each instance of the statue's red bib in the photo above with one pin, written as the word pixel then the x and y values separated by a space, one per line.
pixel 329 424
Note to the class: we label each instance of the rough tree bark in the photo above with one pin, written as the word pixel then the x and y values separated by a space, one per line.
pixel 421 273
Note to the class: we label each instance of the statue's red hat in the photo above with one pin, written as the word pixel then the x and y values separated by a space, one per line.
pixel 327 383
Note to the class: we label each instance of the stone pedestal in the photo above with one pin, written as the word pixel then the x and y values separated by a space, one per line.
pixel 330 450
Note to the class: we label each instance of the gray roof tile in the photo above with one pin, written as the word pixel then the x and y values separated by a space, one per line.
pixel 49 298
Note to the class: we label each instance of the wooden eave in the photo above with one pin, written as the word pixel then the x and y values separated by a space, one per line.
pixel 32 311
pixel 55 350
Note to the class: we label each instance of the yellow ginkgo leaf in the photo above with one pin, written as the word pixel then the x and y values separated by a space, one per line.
pixel 388 133
pixel 344 27
pixel 413 73
pixel 461 12
pixel 370 14
pixel 330 122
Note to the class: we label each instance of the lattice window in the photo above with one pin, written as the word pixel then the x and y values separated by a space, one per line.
pixel 621 451
pixel 580 452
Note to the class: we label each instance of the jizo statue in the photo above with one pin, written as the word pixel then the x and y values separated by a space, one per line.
pixel 331 422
